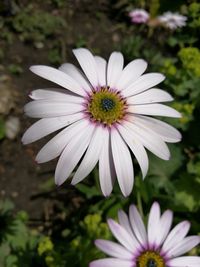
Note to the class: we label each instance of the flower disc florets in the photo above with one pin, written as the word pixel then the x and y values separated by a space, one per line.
pixel 150 259
pixel 106 106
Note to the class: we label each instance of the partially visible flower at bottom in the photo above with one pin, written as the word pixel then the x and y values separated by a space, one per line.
pixel 139 16
pixel 172 20
pixel 155 247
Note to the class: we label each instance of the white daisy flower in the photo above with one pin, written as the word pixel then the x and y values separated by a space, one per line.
pixel 103 116
pixel 172 20
pixel 139 16
pixel 155 247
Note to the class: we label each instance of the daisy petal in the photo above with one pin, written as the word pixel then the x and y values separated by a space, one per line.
pixel 113 249
pixel 123 236
pixel 110 262
pixel 124 169
pixel 91 156
pixel 150 96
pixel 88 64
pixel 137 225
pixel 124 222
pixel 114 70
pixel 149 139
pixel 58 77
pixel 176 235
pixel 154 109
pixel 51 108
pixel 106 167
pixel 52 93
pixel 164 130
pixel 137 149
pixel 76 74
pixel 183 246
pixel 164 227
pixel 153 224
pixel 72 154
pixel 46 126
pixel 143 83
pixel 101 70
pixel 56 145
pixel 131 73
pixel 187 261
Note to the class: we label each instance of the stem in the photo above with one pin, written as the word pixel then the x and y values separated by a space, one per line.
pixel 139 204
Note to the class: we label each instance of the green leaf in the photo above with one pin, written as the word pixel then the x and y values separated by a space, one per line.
pixel 161 170
pixel 88 191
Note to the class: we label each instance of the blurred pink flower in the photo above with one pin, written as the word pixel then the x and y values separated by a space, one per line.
pixel 139 16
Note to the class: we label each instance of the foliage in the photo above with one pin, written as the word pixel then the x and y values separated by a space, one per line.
pixel 36 25
pixel 17 242
pixel 190 57
pixel 194 13
pixel 2 129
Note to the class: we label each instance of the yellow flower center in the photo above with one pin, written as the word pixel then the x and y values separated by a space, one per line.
pixel 106 106
pixel 150 259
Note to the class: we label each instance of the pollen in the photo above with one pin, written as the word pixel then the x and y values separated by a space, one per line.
pixel 150 259
pixel 106 106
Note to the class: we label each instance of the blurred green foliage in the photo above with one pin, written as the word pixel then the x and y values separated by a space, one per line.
pixel 190 57
pixel 35 25
pixel 194 13
pixel 2 129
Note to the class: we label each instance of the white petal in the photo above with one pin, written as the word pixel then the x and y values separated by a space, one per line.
pixel 176 235
pixel 123 236
pixel 149 139
pixel 123 163
pixel 72 154
pixel 124 222
pixel 114 70
pixel 183 246
pixel 56 145
pixel 51 108
pixel 91 156
pixel 153 223
pixel 76 74
pixel 51 93
pixel 58 77
pixel 131 73
pixel 187 261
pixel 101 70
pixel 154 109
pixel 106 167
pixel 164 227
pixel 164 130
pixel 143 83
pixel 88 64
pixel 138 225
pixel 46 126
pixel 150 96
pixel 111 262
pixel 137 149
pixel 113 249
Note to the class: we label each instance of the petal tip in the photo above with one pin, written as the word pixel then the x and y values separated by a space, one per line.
pixel 156 205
